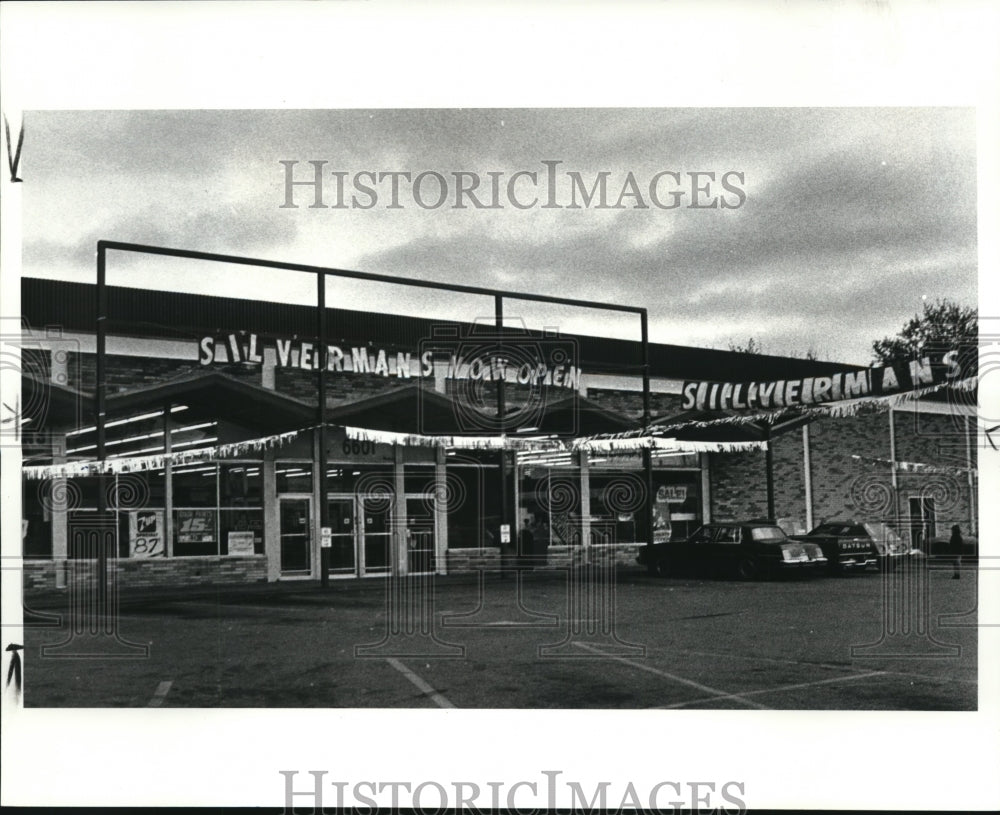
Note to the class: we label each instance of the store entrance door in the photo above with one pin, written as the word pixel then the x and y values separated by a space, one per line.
pixel 361 534
pixel 343 546
pixel 420 528
pixel 361 537
pixel 294 531
pixel 375 534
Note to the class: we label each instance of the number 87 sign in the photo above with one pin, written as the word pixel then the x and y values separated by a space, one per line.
pixel 145 533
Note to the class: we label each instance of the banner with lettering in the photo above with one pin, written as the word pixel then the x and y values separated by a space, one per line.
pixel 925 372
pixel 521 360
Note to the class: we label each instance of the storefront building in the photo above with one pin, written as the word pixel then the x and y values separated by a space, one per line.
pixel 214 449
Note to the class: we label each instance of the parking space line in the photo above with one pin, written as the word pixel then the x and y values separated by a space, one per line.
pixel 779 689
pixel 757 658
pixel 424 688
pixel 932 678
pixel 649 669
pixel 160 694
pixel 829 665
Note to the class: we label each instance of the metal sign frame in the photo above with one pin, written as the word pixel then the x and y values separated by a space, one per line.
pixel 321 272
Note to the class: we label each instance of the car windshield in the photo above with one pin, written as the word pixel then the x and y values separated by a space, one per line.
pixel 835 529
pixel 767 533
pixel 883 533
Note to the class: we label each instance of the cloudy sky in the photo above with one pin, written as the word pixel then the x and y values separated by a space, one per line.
pixel 851 216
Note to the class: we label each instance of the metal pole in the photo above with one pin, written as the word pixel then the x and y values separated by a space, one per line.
pixel 502 420
pixel 895 477
pixel 807 476
pixel 324 507
pixel 769 457
pixel 647 453
pixel 99 396
pixel 240 260
pixel 973 526
pixel 168 483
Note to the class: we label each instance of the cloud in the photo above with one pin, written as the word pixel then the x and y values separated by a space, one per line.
pixel 224 228
pixel 849 211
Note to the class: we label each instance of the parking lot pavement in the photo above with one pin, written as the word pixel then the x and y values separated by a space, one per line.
pixel 543 641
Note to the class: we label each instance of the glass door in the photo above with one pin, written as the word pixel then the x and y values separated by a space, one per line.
pixel 343 548
pixel 420 533
pixel 375 534
pixel 295 535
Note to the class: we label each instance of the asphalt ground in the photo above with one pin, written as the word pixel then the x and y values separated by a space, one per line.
pixel 904 641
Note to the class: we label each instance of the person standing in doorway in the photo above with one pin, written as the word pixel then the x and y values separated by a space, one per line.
pixel 956 550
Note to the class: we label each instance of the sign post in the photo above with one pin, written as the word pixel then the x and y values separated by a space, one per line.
pixel 324 504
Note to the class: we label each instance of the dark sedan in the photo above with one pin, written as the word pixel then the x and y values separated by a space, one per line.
pixel 851 544
pixel 941 547
pixel 748 550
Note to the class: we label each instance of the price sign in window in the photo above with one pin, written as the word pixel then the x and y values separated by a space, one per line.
pixel 145 533
pixel 195 525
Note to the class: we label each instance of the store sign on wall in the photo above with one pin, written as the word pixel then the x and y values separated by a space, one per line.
pixel 248 347
pixel 145 533
pixel 899 377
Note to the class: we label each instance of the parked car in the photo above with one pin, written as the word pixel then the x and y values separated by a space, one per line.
pixel 850 544
pixel 940 548
pixel 748 549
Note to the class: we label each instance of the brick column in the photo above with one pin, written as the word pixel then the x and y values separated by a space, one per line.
pixel 272 541
pixel 399 550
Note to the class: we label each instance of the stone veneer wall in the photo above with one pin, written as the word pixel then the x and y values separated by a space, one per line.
pixel 40 575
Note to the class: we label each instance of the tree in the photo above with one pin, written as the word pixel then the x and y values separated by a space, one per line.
pixel 942 325
pixel 752 346
pixel 755 346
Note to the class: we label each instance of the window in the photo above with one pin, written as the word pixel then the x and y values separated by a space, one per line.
pixel 241 509
pixel 473 494
pixel 196 501
pixel 136 502
pixel 361 479
pixel 617 501
pixel 419 478
pixel 767 533
pixel 730 534
pixel 294 476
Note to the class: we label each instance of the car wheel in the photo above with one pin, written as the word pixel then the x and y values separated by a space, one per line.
pixel 747 569
pixel 661 568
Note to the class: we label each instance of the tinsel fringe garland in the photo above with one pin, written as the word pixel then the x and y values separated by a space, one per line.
pixel 836 409
pixel 113 466
pixel 656 438
pixel 133 464
pixel 548 443
pixel 915 466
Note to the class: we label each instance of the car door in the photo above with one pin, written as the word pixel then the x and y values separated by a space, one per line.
pixel 725 549
pixel 693 553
